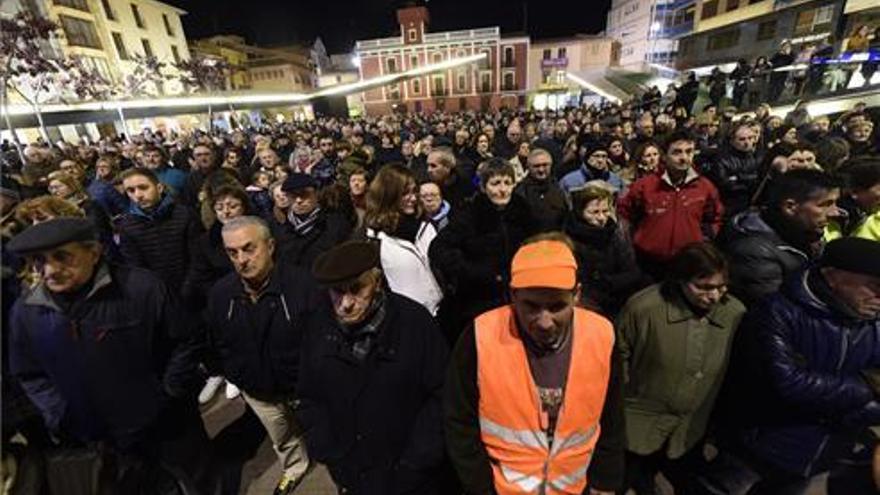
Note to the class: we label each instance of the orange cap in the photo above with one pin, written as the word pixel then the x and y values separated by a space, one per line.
pixel 548 264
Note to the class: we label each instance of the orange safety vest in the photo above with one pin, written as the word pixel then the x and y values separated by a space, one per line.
pixel 512 424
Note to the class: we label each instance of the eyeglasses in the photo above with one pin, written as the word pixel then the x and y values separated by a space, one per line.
pixel 706 288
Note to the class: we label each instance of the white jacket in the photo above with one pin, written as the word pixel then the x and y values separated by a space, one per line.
pixel 407 268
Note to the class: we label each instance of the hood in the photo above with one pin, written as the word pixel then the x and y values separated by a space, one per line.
pixel 750 223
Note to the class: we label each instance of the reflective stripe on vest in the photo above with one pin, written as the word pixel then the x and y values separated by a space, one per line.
pixel 511 418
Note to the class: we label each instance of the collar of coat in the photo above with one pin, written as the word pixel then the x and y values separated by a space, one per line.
pixel 678 310
pixel 40 296
pixel 691 176
pixel 388 338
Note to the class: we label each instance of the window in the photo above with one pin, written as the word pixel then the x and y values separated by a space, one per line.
pixel 108 11
pixel 721 41
pixel 437 57
pixel 561 53
pixel 547 54
pixel 74 4
pixel 79 32
pixel 167 25
pixel 486 82
pixel 461 81
pixel 508 82
pixel 412 34
pixel 508 56
pixel 766 30
pixel 148 48
pixel 414 61
pixel 710 9
pixel 391 65
pixel 393 92
pixel 416 86
pixel 120 47
pixel 137 16
pixel 175 54
pixel 732 5
pixel 813 20
pixel 439 88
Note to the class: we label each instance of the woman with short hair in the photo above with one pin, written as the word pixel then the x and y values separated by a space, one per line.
pixel 393 218
pixel 473 253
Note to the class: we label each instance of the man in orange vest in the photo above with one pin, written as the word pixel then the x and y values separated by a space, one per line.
pixel 533 401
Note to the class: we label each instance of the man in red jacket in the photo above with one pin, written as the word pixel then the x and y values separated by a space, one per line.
pixel 671 210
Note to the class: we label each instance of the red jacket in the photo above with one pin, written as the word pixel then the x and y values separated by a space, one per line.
pixel 665 218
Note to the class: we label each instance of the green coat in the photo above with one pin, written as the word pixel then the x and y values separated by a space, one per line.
pixel 674 366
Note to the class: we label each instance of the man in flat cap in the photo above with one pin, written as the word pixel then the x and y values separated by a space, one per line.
pixel 310 230
pixel 102 351
pixel 533 400
pixel 254 317
pixel 371 380
pixel 801 377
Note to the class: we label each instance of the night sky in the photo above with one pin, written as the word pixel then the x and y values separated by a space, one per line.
pixel 341 22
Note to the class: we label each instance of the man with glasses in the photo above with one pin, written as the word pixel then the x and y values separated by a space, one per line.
pixel 546 199
pixel 595 167
pixel 675 339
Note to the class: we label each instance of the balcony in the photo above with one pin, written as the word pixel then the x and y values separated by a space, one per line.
pixel 466 34
pixel 549 63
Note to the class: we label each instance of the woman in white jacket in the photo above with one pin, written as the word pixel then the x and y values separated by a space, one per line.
pixel 393 218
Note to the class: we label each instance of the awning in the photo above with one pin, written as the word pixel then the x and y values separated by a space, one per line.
pixel 860 5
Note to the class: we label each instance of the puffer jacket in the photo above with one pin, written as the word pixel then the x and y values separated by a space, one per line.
pixel 760 260
pixel 547 200
pixel 736 175
pixel 796 391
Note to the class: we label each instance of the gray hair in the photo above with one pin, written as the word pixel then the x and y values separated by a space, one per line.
pixel 248 221
pixel 535 153
pixel 445 156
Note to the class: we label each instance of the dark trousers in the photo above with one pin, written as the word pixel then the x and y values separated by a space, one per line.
pixel 682 473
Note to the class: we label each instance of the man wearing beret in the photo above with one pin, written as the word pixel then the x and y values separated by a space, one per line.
pixel 801 391
pixel 255 320
pixel 310 230
pixel 370 381
pixel 101 350
pixel 533 400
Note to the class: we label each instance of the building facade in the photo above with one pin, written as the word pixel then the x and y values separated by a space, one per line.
pixel 648 30
pixel 498 80
pixel 726 30
pixel 551 60
pixel 110 34
pixel 286 68
pixel 227 48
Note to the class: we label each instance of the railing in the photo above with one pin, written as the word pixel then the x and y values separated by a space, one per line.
pixel 378 43
pixel 554 62
pixel 463 34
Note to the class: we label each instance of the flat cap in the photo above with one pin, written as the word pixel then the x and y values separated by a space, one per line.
pixel 49 235
pixel 297 181
pixel 345 262
pixel 853 254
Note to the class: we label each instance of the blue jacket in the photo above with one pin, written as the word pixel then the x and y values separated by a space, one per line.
pixel 107 368
pixel 107 197
pixel 173 178
pixel 577 179
pixel 796 385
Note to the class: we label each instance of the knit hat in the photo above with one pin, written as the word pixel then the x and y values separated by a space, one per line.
pixel 853 254
pixel 548 264
pixel 594 145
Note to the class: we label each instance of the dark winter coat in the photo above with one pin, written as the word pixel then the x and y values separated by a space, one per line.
pixel 458 191
pixel 376 424
pixel 607 266
pixel 209 264
pixel 330 229
pixel 546 200
pixel 795 380
pixel 105 369
pixel 760 260
pixel 258 343
pixel 107 197
pixel 473 254
pixel 161 240
pixel 736 175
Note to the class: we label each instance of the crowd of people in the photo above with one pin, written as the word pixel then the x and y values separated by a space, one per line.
pixel 500 302
pixel 807 70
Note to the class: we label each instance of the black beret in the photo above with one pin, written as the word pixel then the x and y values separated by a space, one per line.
pixel 49 235
pixel 853 254
pixel 345 262
pixel 297 181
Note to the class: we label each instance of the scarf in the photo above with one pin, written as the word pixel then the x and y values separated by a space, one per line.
pixel 161 210
pixel 303 225
pixel 362 336
pixel 407 228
